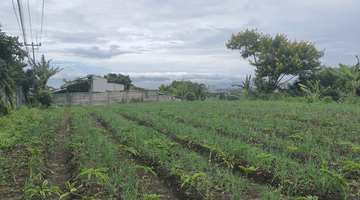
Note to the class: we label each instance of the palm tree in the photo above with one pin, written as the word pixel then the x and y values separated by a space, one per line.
pixel 43 72
pixel 246 87
pixel 353 74
pixel 182 91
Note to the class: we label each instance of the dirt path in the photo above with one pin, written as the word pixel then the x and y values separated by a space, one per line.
pixel 59 172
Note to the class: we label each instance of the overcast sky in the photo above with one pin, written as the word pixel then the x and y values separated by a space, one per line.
pixel 159 41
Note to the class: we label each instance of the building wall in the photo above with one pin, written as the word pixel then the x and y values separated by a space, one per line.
pixel 101 85
pixel 18 96
pixel 110 97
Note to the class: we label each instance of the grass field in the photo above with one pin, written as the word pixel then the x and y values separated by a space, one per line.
pixel 182 150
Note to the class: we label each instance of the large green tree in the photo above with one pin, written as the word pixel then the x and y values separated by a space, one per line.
pixel 276 58
pixel 119 79
pixel 11 65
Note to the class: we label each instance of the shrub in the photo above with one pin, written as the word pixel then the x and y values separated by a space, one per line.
pixel 46 98
pixel 327 99
pixel 4 109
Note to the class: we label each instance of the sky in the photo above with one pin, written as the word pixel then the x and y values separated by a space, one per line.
pixel 156 42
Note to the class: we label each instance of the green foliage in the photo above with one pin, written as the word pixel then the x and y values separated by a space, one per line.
pixel 71 189
pixel 191 178
pixel 246 87
pixel 43 72
pixel 96 172
pixel 41 191
pixel 119 79
pixel 352 75
pixel 276 57
pixel 46 98
pixel 351 165
pixel 146 169
pixel 247 170
pixel 4 109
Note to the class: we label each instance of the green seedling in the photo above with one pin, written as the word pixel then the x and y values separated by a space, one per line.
pixel 34 151
pixel 145 169
pixel 37 143
pixel 96 172
pixel 213 148
pixel 127 149
pixel 297 136
pixel 75 145
pixel 155 144
pixel 175 171
pixel 356 148
pixel 41 191
pixel 182 137
pixel 292 148
pixel 32 162
pixel 345 144
pixel 153 196
pixel 179 117
pixel 247 170
pixel 71 189
pixel 191 178
pixel 351 165
pixel 334 177
pixel 240 150
pixel 228 160
pixel 263 158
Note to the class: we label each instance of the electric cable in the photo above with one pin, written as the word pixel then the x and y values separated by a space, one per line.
pixel 22 26
pixel 17 19
pixel 30 22
pixel 42 19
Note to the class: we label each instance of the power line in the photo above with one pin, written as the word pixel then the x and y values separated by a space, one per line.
pixel 30 21
pixel 22 25
pixel 16 17
pixel 42 19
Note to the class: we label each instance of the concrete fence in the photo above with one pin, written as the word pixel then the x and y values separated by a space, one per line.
pixel 109 97
pixel 18 96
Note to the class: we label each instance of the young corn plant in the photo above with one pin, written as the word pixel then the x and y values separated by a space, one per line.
pixel 213 148
pixel 127 149
pixel 263 159
pixel 241 150
pixel 191 179
pixel 41 191
pixel 333 177
pixel 96 172
pixel 351 165
pixel 297 136
pixel 247 170
pixel 71 192
pixel 292 148
pixel 145 169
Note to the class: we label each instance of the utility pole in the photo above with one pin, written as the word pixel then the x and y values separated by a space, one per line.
pixel 32 44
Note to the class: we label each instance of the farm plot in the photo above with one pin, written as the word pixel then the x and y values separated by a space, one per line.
pixel 308 149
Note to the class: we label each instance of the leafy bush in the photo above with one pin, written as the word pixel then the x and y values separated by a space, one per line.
pixel 328 99
pixel 46 98
pixel 4 109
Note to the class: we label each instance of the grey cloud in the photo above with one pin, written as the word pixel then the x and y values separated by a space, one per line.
pixel 95 52
pixel 78 37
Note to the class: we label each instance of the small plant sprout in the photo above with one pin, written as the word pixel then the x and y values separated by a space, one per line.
pixel 37 143
pixel 145 169
pixel 179 117
pixel 334 177
pixel 127 149
pixel 263 158
pixel 319 141
pixel 356 148
pixel 71 189
pixel 213 148
pixel 345 144
pixel 34 151
pixel 75 145
pixel 297 136
pixel 228 160
pixel 153 196
pixel 97 172
pixel 292 148
pixel 183 138
pixel 247 170
pixel 240 150
pixel 32 162
pixel 351 165
pixel 41 191
pixel 191 179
